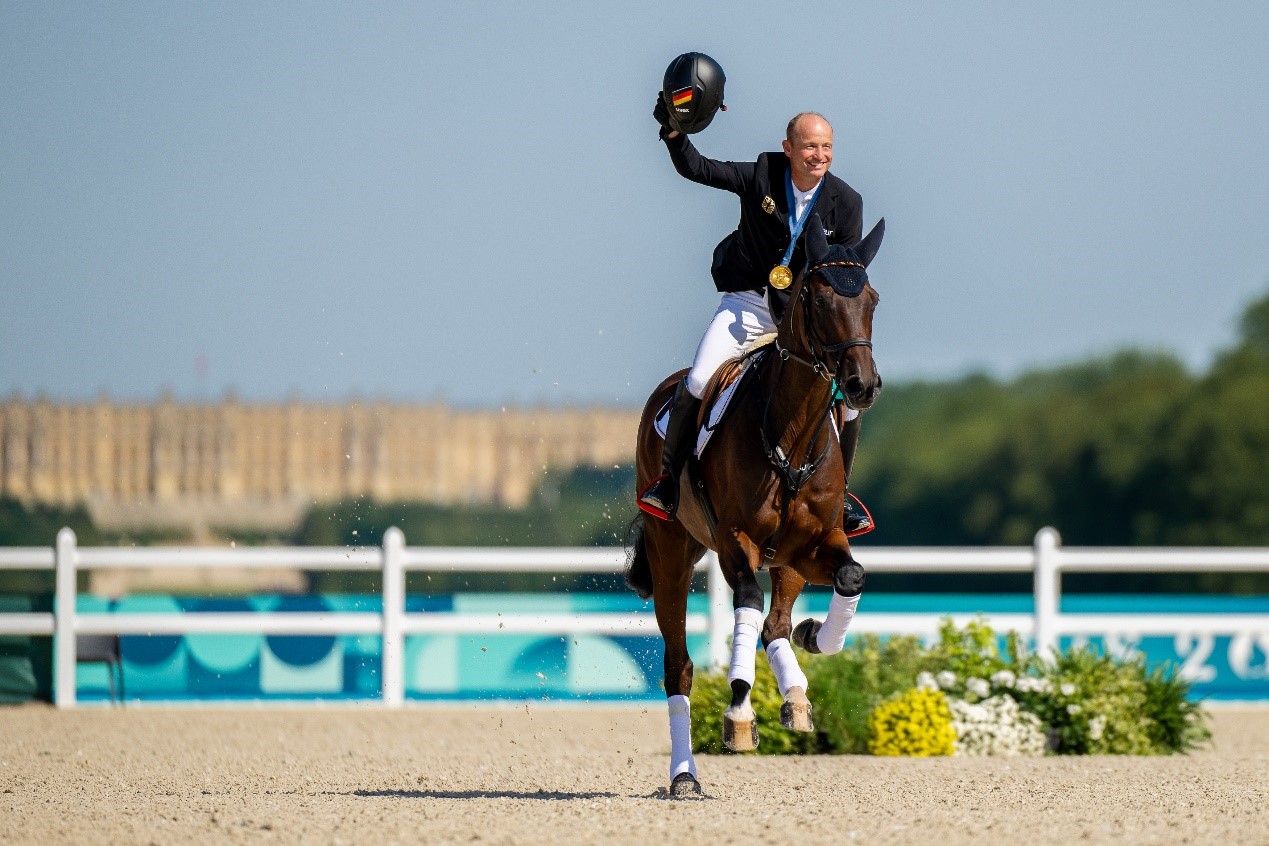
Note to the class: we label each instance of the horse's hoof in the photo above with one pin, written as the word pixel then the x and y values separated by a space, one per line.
pixel 795 713
pixel 740 735
pixel 685 786
pixel 804 635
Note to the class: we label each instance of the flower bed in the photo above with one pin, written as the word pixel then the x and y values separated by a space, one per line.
pixel 967 696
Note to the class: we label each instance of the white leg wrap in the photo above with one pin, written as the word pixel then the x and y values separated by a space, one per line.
pixel 832 635
pixel 681 760
pixel 744 644
pixel 785 665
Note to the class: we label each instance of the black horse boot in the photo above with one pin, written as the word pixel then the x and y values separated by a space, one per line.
pixel 661 498
pixel 853 521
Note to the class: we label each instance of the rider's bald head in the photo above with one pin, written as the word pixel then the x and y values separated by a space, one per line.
pixel 806 119
pixel 809 147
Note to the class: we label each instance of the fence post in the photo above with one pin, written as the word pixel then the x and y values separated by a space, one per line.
pixel 1048 590
pixel 393 656
pixel 65 557
pixel 720 613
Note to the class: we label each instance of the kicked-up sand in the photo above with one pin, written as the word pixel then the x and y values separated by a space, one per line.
pixel 563 775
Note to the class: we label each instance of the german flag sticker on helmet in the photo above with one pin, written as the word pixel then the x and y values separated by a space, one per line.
pixel 692 91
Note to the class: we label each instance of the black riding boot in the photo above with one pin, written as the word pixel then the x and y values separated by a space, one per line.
pixel 661 499
pixel 853 521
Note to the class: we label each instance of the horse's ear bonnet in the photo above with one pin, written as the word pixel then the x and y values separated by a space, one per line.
pixel 845 268
pixel 693 91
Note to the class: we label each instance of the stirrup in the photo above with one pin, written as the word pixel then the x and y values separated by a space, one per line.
pixel 854 523
pixel 653 500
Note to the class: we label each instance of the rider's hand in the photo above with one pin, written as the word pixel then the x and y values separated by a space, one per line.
pixel 662 116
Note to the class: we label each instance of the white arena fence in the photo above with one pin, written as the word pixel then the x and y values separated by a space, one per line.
pixel 1046 560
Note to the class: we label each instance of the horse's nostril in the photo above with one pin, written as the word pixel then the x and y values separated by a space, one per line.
pixel 854 386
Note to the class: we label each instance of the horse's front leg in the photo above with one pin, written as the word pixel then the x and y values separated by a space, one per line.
pixel 739 561
pixel 832 564
pixel 795 712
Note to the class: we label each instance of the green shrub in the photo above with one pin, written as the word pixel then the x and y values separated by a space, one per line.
pixel 1089 703
pixel 971 652
pixel 1095 704
pixel 844 688
pixel 1178 724
pixel 711 694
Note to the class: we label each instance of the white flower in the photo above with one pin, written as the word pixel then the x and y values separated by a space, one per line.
pixel 1031 684
pixel 946 679
pixel 1073 708
pixel 1068 689
pixel 925 681
pixel 995 726
pixel 977 686
pixel 1096 726
pixel 1004 678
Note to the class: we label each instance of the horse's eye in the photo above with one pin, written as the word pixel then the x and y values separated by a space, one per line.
pixel 820 301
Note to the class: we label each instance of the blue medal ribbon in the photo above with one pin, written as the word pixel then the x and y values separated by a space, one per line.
pixel 796 224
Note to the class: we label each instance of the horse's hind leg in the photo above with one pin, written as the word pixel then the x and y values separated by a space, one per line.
pixel 672 553
pixel 795 712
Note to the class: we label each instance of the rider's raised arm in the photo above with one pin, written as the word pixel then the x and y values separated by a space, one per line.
pixel 729 176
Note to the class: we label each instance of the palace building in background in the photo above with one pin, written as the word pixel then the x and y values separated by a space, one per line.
pixel 248 465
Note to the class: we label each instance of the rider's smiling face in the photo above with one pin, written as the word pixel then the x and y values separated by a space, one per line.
pixel 810 151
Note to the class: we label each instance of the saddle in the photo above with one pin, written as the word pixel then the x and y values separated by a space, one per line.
pixel 725 384
pixel 728 381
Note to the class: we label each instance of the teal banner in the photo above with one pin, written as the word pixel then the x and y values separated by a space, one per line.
pixel 495 666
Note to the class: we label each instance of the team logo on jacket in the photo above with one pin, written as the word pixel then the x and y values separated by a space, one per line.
pixel 682 97
pixel 768 205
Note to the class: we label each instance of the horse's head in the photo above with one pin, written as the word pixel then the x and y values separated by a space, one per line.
pixel 829 318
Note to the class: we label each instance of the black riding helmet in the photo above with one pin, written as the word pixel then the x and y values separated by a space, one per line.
pixel 693 92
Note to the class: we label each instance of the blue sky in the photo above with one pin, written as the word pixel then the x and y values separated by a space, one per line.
pixel 468 201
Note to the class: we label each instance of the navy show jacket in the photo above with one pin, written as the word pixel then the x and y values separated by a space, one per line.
pixel 743 259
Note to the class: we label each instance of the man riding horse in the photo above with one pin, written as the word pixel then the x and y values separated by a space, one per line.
pixel 752 266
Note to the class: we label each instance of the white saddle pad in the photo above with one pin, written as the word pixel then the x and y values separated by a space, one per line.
pixel 715 411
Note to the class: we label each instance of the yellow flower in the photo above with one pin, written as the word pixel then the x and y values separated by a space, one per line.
pixel 915 723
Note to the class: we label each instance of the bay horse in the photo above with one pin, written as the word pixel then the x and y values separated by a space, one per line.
pixel 747 499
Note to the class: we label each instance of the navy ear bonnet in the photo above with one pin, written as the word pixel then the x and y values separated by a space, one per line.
pixel 845 268
pixel 842 269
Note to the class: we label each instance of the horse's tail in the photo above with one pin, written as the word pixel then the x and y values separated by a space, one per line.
pixel 638 568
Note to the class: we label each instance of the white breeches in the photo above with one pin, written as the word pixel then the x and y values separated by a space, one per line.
pixel 741 319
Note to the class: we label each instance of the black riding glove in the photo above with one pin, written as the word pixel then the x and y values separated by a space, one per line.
pixel 662 116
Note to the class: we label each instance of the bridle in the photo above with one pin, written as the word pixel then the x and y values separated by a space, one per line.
pixel 826 360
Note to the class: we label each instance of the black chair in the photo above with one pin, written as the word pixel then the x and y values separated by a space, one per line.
pixel 102 649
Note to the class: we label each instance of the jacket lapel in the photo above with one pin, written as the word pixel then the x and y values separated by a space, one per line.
pixel 825 204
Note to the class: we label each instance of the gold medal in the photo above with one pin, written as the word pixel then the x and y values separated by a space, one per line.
pixel 780 277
